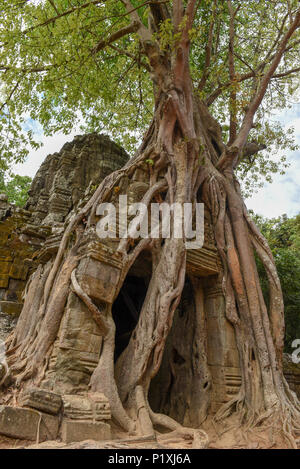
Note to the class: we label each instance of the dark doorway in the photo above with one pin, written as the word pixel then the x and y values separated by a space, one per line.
pixel 127 306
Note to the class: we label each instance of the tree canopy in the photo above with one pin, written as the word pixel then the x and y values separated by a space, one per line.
pixel 15 187
pixel 64 62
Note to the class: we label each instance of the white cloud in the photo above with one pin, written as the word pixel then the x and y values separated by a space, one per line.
pixel 36 157
pixel 283 194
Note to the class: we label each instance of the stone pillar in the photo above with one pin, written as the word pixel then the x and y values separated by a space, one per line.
pixel 223 357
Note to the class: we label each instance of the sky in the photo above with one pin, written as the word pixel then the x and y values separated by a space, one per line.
pixel 274 199
pixel 283 194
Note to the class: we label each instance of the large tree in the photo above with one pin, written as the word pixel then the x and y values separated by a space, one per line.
pixel 202 77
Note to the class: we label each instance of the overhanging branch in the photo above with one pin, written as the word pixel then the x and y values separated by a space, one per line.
pixel 144 32
pixel 132 28
pixel 208 47
pixel 248 119
pixel 61 15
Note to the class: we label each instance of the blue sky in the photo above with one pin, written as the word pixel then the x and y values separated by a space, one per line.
pixel 281 196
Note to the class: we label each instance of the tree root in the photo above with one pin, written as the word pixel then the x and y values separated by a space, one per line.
pixel 3 376
pixel 143 416
pixel 97 316
pixel 198 437
pixel 283 419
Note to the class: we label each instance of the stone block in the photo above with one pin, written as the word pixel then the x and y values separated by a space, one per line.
pixel 202 262
pixel 96 281
pixel 73 430
pixel 27 424
pixel 19 269
pixel 4 279
pixel 215 340
pixel 94 407
pixel 40 399
pixel 231 357
pixel 5 267
pixel 292 373
pixel 11 307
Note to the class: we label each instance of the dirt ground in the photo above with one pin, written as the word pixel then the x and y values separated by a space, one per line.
pixel 219 438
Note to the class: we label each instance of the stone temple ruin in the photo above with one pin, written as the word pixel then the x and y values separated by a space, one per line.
pixel 63 406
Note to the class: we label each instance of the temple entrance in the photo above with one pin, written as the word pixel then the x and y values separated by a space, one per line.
pixel 127 306
pixel 167 392
pixel 126 310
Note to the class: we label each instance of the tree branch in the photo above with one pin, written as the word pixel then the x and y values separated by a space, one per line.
pixel 61 15
pixel 244 62
pixel 190 14
pixel 208 47
pixel 233 96
pixel 159 12
pixel 248 119
pixel 144 32
pixel 218 91
pixel 9 96
pixel 277 39
pixel 177 14
pixel 132 56
pixel 27 70
pixel 131 28
pixel 54 7
pixel 285 74
pixel 252 148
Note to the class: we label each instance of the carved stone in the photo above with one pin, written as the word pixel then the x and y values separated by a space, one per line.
pixel 27 424
pixel 72 431
pixel 42 400
pixel 93 407
pixel 31 235
pixel 292 373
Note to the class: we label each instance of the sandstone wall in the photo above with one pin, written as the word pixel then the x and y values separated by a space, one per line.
pixel 30 236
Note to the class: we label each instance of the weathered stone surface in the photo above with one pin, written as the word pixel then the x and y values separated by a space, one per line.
pixel 202 262
pixel 73 430
pixel 27 424
pixel 42 400
pixel 64 177
pixel 7 324
pixel 16 252
pixel 94 407
pixel 76 350
pixel 11 307
pixel 98 282
pixel 31 235
pixel 292 373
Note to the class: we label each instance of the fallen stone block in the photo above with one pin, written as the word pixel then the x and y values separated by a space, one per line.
pixel 27 424
pixel 40 399
pixel 75 430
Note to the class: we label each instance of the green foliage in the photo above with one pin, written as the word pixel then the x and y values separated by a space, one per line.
pixel 51 74
pixel 283 236
pixel 254 171
pixel 16 188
